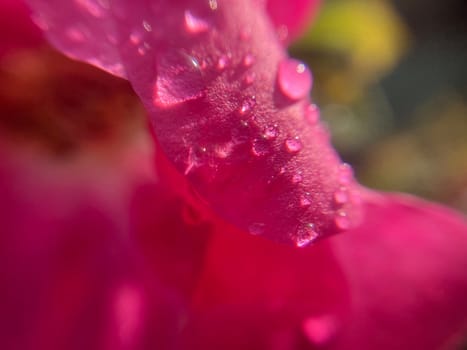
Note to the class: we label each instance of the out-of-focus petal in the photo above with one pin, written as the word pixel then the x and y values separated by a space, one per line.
pixel 16 28
pixel 82 29
pixel 406 267
pixel 257 294
pixel 291 18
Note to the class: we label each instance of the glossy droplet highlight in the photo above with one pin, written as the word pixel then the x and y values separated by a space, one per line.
pixel 306 234
pixel 312 114
pixel 320 330
pixel 147 26
pixel 194 24
pixel 294 79
pixel 246 106
pixel 297 177
pixel 178 79
pixel 342 220
pixel 293 145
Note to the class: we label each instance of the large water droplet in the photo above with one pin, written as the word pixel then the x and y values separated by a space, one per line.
pixel 305 235
pixel 320 330
pixel 294 79
pixel 342 220
pixel 194 24
pixel 178 79
pixel 293 145
pixel 312 114
pixel 256 229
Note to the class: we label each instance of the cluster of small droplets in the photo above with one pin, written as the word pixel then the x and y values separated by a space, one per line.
pixel 342 197
pixel 305 235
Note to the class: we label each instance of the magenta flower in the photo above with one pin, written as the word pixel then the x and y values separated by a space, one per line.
pixel 115 248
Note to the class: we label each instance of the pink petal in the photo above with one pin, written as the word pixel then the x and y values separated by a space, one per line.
pixel 291 18
pixel 407 271
pixel 82 29
pixel 256 294
pixel 18 31
pixel 224 112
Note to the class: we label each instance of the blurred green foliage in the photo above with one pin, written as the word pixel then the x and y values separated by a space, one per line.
pixel 391 80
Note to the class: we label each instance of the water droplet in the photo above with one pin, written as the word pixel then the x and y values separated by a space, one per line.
pixel 141 50
pixel 312 114
pixel 341 196
pixel 320 330
pixel 259 147
pixel 147 27
pixel 293 145
pixel 223 151
pixel 256 229
pixel 305 200
pixel 178 79
pixel 194 24
pixel 249 78
pixel 247 105
pixel 306 234
pixel 222 62
pixel 342 220
pixel 245 34
pixel 345 174
pixel 248 60
pixel 294 79
pixel 271 132
pixel 297 177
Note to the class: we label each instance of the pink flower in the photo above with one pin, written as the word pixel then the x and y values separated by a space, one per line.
pixel 100 249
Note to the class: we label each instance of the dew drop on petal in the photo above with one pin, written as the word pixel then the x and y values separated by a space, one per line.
pixel 312 114
pixel 135 38
pixel 341 196
pixel 342 220
pixel 297 177
pixel 256 228
pixel 270 132
pixel 294 79
pixel 345 174
pixel 259 147
pixel 194 24
pixel 320 330
pixel 179 79
pixel 293 145
pixel 305 235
